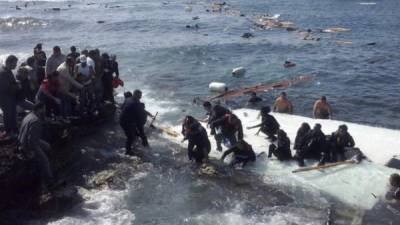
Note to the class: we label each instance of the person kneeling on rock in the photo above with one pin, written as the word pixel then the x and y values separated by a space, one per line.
pixel 243 153
pixel 282 152
pixel 199 145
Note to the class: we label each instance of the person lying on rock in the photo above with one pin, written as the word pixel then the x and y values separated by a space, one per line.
pixel 243 153
pixel 198 143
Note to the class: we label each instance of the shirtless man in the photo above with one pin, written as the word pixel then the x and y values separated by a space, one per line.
pixel 283 105
pixel 322 109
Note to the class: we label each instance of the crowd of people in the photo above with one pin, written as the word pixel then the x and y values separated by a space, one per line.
pixel 69 85
pixel 58 88
pixel 227 129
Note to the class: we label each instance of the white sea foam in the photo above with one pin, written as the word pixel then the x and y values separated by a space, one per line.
pixel 367 3
pixel 275 217
pixel 103 207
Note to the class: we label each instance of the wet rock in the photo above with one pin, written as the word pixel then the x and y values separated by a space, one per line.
pixel 101 21
pixel 372 43
pixel 195 18
pixel 56 9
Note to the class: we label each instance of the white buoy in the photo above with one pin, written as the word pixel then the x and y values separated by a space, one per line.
pixel 238 72
pixel 217 87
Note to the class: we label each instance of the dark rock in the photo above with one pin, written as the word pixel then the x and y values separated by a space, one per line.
pixel 56 9
pixel 247 35
pixel 372 43
pixel 101 21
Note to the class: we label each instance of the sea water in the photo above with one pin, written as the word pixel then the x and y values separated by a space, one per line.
pixel 173 64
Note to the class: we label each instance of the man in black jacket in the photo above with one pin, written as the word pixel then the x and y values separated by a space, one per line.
pixel 132 120
pixel 199 146
pixel 313 146
pixel 269 125
pixel 282 151
pixel 339 141
pixel 243 153
pixel 8 95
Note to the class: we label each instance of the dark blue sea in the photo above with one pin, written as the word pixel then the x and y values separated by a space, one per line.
pixel 358 70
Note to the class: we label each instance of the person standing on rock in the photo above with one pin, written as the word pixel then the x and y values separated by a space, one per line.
pixel 8 95
pixel 31 144
pixel 54 61
pixel 132 119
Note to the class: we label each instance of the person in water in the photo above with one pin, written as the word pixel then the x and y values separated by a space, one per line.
pixel 283 105
pixel 289 64
pixel 269 126
pixel 198 143
pixel 243 153
pixel 254 99
pixel 214 113
pixel 339 141
pixel 322 109
pixel 282 151
pixel 313 146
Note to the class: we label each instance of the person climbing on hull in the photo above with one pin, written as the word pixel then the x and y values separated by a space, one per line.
pixel 269 126
pixel 214 113
pixel 243 153
pixel 339 141
pixel 282 149
pixel 231 128
pixel 312 146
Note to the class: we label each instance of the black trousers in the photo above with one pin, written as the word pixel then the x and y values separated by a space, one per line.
pixel 130 134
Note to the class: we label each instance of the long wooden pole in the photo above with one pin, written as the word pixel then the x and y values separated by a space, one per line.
pixel 324 166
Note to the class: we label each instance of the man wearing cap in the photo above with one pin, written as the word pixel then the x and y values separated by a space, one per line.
pixel 54 61
pixel 84 73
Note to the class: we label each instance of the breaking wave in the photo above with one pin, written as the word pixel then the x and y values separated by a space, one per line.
pixel 21 23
